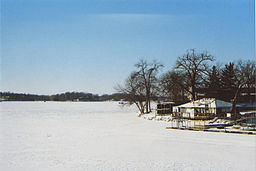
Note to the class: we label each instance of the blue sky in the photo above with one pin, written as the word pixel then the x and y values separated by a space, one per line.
pixel 53 46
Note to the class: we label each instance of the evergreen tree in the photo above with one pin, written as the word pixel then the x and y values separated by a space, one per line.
pixel 228 77
pixel 214 79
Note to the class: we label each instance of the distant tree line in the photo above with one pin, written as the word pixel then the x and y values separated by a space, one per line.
pixel 81 96
pixel 68 96
pixel 194 76
pixel 22 97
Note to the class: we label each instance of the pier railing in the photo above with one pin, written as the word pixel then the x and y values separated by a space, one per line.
pixel 197 116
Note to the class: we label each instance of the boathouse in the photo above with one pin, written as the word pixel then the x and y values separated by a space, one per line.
pixel 206 108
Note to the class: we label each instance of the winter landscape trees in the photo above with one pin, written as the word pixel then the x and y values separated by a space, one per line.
pixel 194 67
pixel 194 76
pixel 141 85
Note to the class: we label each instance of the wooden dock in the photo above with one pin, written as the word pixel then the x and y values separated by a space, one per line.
pixel 213 130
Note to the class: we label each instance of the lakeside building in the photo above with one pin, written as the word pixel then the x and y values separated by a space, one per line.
pixel 206 108
pixel 164 108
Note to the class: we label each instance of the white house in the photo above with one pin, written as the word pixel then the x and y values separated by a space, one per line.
pixel 203 108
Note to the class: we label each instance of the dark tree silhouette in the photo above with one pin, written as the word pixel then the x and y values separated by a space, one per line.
pixel 134 91
pixel 244 78
pixel 214 79
pixel 228 77
pixel 147 73
pixel 141 84
pixel 172 85
pixel 195 68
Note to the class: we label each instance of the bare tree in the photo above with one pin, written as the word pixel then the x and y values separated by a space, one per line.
pixel 171 84
pixel 141 84
pixel 244 78
pixel 147 72
pixel 195 68
pixel 134 91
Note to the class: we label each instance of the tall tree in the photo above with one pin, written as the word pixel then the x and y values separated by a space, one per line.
pixel 147 72
pixel 134 92
pixel 212 84
pixel 172 84
pixel 140 85
pixel 228 77
pixel 195 67
pixel 236 77
pixel 244 79
pixel 214 79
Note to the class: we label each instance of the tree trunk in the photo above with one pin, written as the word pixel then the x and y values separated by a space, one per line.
pixel 146 105
pixel 149 105
pixel 192 92
pixel 234 100
pixel 147 100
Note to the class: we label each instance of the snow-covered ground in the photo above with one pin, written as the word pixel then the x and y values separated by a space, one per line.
pixel 104 136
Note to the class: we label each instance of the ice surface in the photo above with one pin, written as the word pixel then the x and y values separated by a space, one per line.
pixel 105 136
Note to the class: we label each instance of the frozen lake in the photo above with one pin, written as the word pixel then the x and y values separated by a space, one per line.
pixel 104 136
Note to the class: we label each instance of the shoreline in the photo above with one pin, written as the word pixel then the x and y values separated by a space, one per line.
pixel 196 125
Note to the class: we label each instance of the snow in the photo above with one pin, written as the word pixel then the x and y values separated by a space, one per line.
pixel 105 136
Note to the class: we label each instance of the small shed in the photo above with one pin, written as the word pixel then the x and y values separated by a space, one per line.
pixel 164 108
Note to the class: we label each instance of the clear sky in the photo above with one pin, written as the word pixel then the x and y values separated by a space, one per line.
pixel 53 46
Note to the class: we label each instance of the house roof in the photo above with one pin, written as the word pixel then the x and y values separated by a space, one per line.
pixel 221 104
pixel 210 102
pixel 247 112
